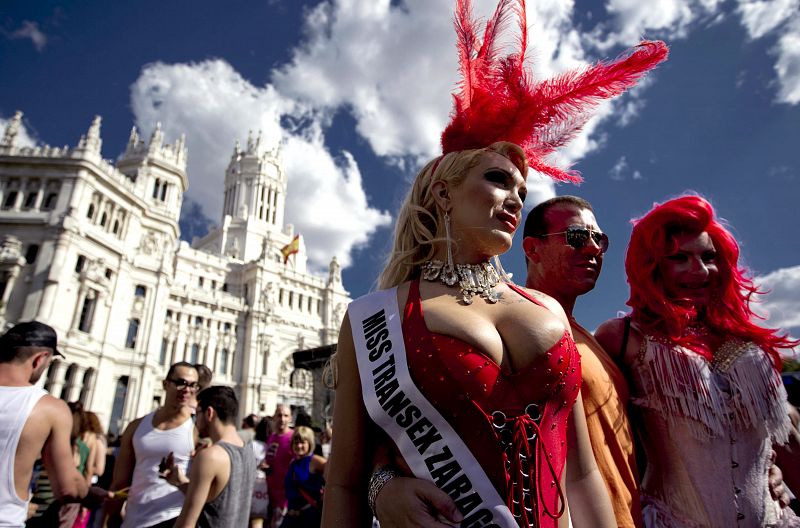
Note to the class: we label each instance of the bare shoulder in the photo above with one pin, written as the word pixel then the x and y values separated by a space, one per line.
pixel 548 302
pixel 611 333
pixel 50 404
pixel 131 429
pixel 211 456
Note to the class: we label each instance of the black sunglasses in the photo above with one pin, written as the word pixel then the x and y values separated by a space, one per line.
pixel 578 237
pixel 182 383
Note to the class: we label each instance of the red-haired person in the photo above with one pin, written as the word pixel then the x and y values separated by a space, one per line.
pixel 704 377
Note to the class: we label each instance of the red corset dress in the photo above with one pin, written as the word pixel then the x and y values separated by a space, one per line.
pixel 513 423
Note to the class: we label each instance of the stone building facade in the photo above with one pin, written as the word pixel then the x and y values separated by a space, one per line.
pixel 93 248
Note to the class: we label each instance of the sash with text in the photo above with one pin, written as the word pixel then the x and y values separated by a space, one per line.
pixel 430 446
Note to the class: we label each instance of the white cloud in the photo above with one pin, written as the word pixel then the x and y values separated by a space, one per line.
pixel 24 137
pixel 214 106
pixel 760 17
pixel 782 304
pixel 325 199
pixel 394 68
pixel 634 18
pixel 621 170
pixel 30 30
pixel 617 172
pixel 788 64
pixel 782 18
pixel 540 188
pixel 673 19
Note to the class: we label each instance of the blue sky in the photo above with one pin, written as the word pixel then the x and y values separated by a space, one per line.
pixel 357 93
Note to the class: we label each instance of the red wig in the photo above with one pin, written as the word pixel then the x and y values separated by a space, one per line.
pixel 654 237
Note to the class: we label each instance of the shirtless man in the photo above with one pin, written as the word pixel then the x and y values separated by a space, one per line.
pixel 151 500
pixel 32 423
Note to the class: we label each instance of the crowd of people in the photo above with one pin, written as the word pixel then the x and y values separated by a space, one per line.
pixel 185 464
pixel 463 399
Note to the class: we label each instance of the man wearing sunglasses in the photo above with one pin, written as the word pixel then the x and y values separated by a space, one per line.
pixel 564 250
pixel 152 502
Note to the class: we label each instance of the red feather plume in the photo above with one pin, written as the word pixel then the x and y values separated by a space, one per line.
pixel 499 101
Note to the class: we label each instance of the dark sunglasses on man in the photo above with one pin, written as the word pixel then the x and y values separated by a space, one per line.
pixel 183 384
pixel 578 237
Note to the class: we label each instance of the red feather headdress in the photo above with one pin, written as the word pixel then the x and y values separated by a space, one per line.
pixel 499 101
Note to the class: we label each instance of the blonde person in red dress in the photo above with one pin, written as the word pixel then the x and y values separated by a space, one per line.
pixel 449 373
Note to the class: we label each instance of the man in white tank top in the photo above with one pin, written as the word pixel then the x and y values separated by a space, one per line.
pixel 220 485
pixel 145 442
pixel 32 423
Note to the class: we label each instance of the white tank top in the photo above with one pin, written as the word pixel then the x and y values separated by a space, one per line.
pixel 151 500
pixel 16 404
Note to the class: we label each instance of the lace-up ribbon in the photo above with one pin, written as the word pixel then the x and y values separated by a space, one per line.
pixel 520 437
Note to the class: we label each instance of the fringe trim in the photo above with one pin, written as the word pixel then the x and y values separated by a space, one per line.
pixel 683 385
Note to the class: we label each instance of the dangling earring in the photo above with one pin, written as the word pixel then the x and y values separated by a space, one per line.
pixel 449 276
pixel 505 277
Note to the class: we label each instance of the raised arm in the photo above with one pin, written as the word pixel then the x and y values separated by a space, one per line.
pixel 587 494
pixel 346 487
pixel 68 483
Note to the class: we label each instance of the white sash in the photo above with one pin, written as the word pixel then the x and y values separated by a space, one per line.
pixel 430 446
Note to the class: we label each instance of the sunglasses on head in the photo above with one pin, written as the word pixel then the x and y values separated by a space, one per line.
pixel 578 237
pixel 182 383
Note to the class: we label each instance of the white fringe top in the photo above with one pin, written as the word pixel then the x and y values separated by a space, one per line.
pixel 708 430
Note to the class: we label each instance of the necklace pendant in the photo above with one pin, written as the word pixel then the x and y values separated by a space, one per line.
pixel 471 279
pixel 449 276
pixel 431 270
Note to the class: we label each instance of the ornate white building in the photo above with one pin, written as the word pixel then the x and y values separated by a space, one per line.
pixel 92 248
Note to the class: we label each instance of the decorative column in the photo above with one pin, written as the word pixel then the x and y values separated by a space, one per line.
pixel 75 383
pixel 59 369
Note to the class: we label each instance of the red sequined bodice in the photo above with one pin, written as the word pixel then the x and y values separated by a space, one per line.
pixel 514 423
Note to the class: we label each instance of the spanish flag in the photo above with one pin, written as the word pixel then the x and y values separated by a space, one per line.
pixel 291 248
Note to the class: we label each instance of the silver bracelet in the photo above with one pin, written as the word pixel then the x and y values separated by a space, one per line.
pixel 377 481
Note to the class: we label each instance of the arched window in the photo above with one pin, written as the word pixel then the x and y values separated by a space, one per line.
pixel 156 185
pixel 90 212
pixel 103 219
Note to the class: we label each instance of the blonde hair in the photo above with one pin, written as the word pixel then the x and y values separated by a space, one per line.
pixel 419 220
pixel 307 434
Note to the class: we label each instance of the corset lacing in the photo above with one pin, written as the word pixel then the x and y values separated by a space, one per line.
pixel 516 435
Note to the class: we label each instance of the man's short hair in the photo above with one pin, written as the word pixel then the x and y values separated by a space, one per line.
pixel 222 399
pixel 535 223
pixel 179 364
pixel 25 339
pixel 204 375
